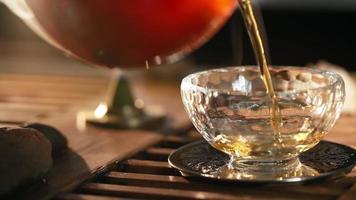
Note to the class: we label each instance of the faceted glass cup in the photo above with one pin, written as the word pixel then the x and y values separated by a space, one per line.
pixel 231 110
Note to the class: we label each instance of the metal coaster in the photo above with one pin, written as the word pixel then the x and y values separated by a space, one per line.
pixel 326 160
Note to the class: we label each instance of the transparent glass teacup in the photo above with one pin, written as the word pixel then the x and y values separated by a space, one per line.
pixel 231 110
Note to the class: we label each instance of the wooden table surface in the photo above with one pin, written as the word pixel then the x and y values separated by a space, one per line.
pixel 56 99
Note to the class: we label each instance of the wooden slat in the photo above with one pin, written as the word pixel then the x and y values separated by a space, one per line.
pixel 36 97
pixel 119 176
pixel 156 153
pixel 47 87
pixel 46 93
pixel 148 192
pixel 20 116
pixel 172 193
pixel 59 79
pixel 60 82
pixel 173 142
pixel 73 196
pixel 62 101
pixel 178 139
pixel 149 167
pixel 149 163
pixel 178 182
pixel 28 106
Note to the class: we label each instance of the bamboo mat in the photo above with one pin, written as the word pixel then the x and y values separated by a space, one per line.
pixel 141 165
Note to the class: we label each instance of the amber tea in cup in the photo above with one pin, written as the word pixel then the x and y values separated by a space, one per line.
pixel 231 110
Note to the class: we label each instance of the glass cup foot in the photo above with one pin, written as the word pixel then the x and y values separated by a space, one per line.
pixel 264 166
pixel 266 170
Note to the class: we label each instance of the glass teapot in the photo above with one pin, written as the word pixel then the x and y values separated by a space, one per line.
pixel 121 33
pixel 124 34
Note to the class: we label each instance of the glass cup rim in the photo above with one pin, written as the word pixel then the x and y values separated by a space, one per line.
pixel 187 83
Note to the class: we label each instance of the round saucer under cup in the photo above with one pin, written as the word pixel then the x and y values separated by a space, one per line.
pixel 326 160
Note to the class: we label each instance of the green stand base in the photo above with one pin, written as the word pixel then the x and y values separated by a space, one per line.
pixel 122 111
